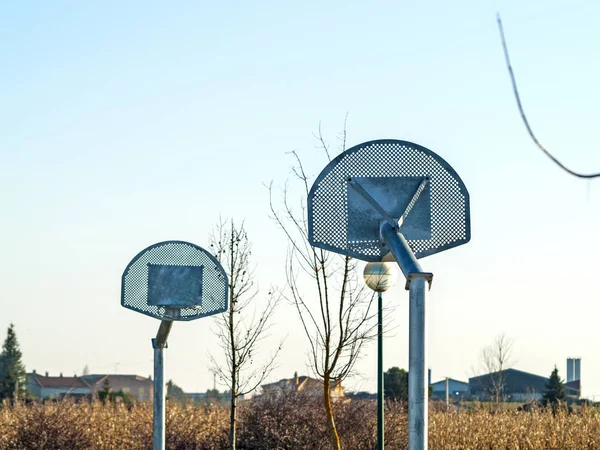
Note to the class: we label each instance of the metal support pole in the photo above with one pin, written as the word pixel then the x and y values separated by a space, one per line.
pixel 447 394
pixel 159 344
pixel 380 386
pixel 417 363
pixel 416 280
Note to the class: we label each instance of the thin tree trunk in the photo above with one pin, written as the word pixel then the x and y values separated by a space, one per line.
pixel 337 444
pixel 232 422
pixel 234 367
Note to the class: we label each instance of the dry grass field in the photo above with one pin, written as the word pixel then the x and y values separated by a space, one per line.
pixel 286 423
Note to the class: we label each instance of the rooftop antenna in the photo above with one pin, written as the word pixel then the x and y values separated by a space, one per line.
pixel 172 281
pixel 392 200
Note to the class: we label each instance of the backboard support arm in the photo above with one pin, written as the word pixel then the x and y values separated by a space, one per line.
pixel 403 254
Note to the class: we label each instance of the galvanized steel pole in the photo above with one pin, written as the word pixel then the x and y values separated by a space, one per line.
pixel 159 344
pixel 417 364
pixel 380 386
pixel 416 281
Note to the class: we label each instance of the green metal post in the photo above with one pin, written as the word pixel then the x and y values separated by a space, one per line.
pixel 380 402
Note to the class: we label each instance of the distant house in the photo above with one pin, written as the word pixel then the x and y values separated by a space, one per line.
pixel 457 390
pixel 301 384
pixel 141 388
pixel 517 386
pixel 88 386
pixel 45 386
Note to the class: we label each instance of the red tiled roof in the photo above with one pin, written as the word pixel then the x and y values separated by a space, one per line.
pixel 100 379
pixel 85 381
pixel 60 382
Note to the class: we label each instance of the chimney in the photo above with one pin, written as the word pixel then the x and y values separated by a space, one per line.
pixel 46 373
pixel 34 371
pixel 60 375
pixel 573 369
pixel 296 379
pixel 570 369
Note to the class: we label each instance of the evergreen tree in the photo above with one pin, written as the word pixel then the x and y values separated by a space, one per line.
pixel 175 393
pixel 12 370
pixel 555 391
pixel 104 393
pixel 395 382
pixel 395 385
pixel 213 396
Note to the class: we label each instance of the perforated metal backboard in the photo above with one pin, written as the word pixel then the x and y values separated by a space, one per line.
pixel 340 219
pixel 175 280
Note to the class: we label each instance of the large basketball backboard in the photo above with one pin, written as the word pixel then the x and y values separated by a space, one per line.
pixel 385 180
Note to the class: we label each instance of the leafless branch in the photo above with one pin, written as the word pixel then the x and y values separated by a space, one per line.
pixel 524 117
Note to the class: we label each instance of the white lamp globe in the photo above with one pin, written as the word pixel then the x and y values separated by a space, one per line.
pixel 380 276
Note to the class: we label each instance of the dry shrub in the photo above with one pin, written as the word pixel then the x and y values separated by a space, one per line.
pixel 295 420
pixel 290 421
pixel 191 427
pixel 8 426
pixel 396 425
pixel 51 426
pixel 507 430
pixel 67 425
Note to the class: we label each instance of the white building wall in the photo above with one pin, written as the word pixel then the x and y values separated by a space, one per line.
pixel 453 386
pixel 526 397
pixel 56 392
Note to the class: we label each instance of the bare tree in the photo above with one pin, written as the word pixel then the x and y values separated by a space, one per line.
pixel 335 309
pixel 496 359
pixel 241 329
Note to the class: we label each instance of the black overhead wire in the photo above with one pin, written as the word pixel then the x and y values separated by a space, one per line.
pixel 516 92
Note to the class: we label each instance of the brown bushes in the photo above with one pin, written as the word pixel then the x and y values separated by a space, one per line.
pixel 66 425
pixel 291 421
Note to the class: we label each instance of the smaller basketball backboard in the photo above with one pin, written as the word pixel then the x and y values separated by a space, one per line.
pixel 175 280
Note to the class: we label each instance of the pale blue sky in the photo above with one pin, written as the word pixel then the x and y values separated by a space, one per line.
pixel 125 125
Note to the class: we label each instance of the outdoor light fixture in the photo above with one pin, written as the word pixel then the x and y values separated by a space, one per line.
pixel 380 276
pixel 391 200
